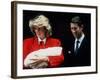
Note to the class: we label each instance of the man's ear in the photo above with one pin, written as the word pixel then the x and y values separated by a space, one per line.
pixel 82 26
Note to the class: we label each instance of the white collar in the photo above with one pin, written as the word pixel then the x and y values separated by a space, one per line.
pixel 39 40
pixel 80 39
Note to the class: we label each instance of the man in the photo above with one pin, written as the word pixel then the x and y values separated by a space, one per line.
pixel 80 53
pixel 41 28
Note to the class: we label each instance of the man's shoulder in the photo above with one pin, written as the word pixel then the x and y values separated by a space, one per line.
pixel 86 40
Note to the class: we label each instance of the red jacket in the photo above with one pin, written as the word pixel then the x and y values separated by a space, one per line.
pixel 31 44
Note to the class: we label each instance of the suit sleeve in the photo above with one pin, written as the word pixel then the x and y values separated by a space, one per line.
pixel 55 61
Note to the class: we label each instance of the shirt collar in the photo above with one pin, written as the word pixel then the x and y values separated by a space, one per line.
pixel 80 39
pixel 39 40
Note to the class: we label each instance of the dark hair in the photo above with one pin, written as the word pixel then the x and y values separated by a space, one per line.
pixel 77 20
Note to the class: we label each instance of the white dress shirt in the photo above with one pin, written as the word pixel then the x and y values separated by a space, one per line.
pixel 80 41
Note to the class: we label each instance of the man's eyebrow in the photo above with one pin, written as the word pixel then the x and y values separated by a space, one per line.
pixel 73 27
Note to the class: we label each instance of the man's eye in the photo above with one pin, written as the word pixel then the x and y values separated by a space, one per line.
pixel 74 28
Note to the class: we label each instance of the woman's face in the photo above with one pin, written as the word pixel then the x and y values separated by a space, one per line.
pixel 40 32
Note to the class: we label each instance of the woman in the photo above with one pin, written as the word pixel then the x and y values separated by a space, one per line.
pixel 42 40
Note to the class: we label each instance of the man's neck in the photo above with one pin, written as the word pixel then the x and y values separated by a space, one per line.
pixel 81 37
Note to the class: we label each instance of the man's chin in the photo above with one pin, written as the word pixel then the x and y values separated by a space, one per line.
pixel 75 36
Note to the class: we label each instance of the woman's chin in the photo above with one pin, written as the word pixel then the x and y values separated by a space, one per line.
pixel 42 38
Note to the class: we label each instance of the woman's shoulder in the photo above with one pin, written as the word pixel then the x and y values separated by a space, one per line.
pixel 31 39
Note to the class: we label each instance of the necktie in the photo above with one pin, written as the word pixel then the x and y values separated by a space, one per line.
pixel 77 46
pixel 41 45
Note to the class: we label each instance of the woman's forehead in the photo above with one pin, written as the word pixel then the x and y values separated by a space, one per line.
pixel 42 27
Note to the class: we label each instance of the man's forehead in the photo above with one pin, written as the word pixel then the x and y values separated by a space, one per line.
pixel 74 25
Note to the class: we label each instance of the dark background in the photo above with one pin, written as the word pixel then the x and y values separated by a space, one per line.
pixel 60 23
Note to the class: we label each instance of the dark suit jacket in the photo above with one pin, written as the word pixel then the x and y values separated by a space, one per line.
pixel 83 57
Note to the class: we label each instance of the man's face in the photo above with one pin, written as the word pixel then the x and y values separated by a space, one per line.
pixel 41 32
pixel 76 30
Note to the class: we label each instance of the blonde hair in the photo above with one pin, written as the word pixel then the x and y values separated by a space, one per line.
pixel 40 21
